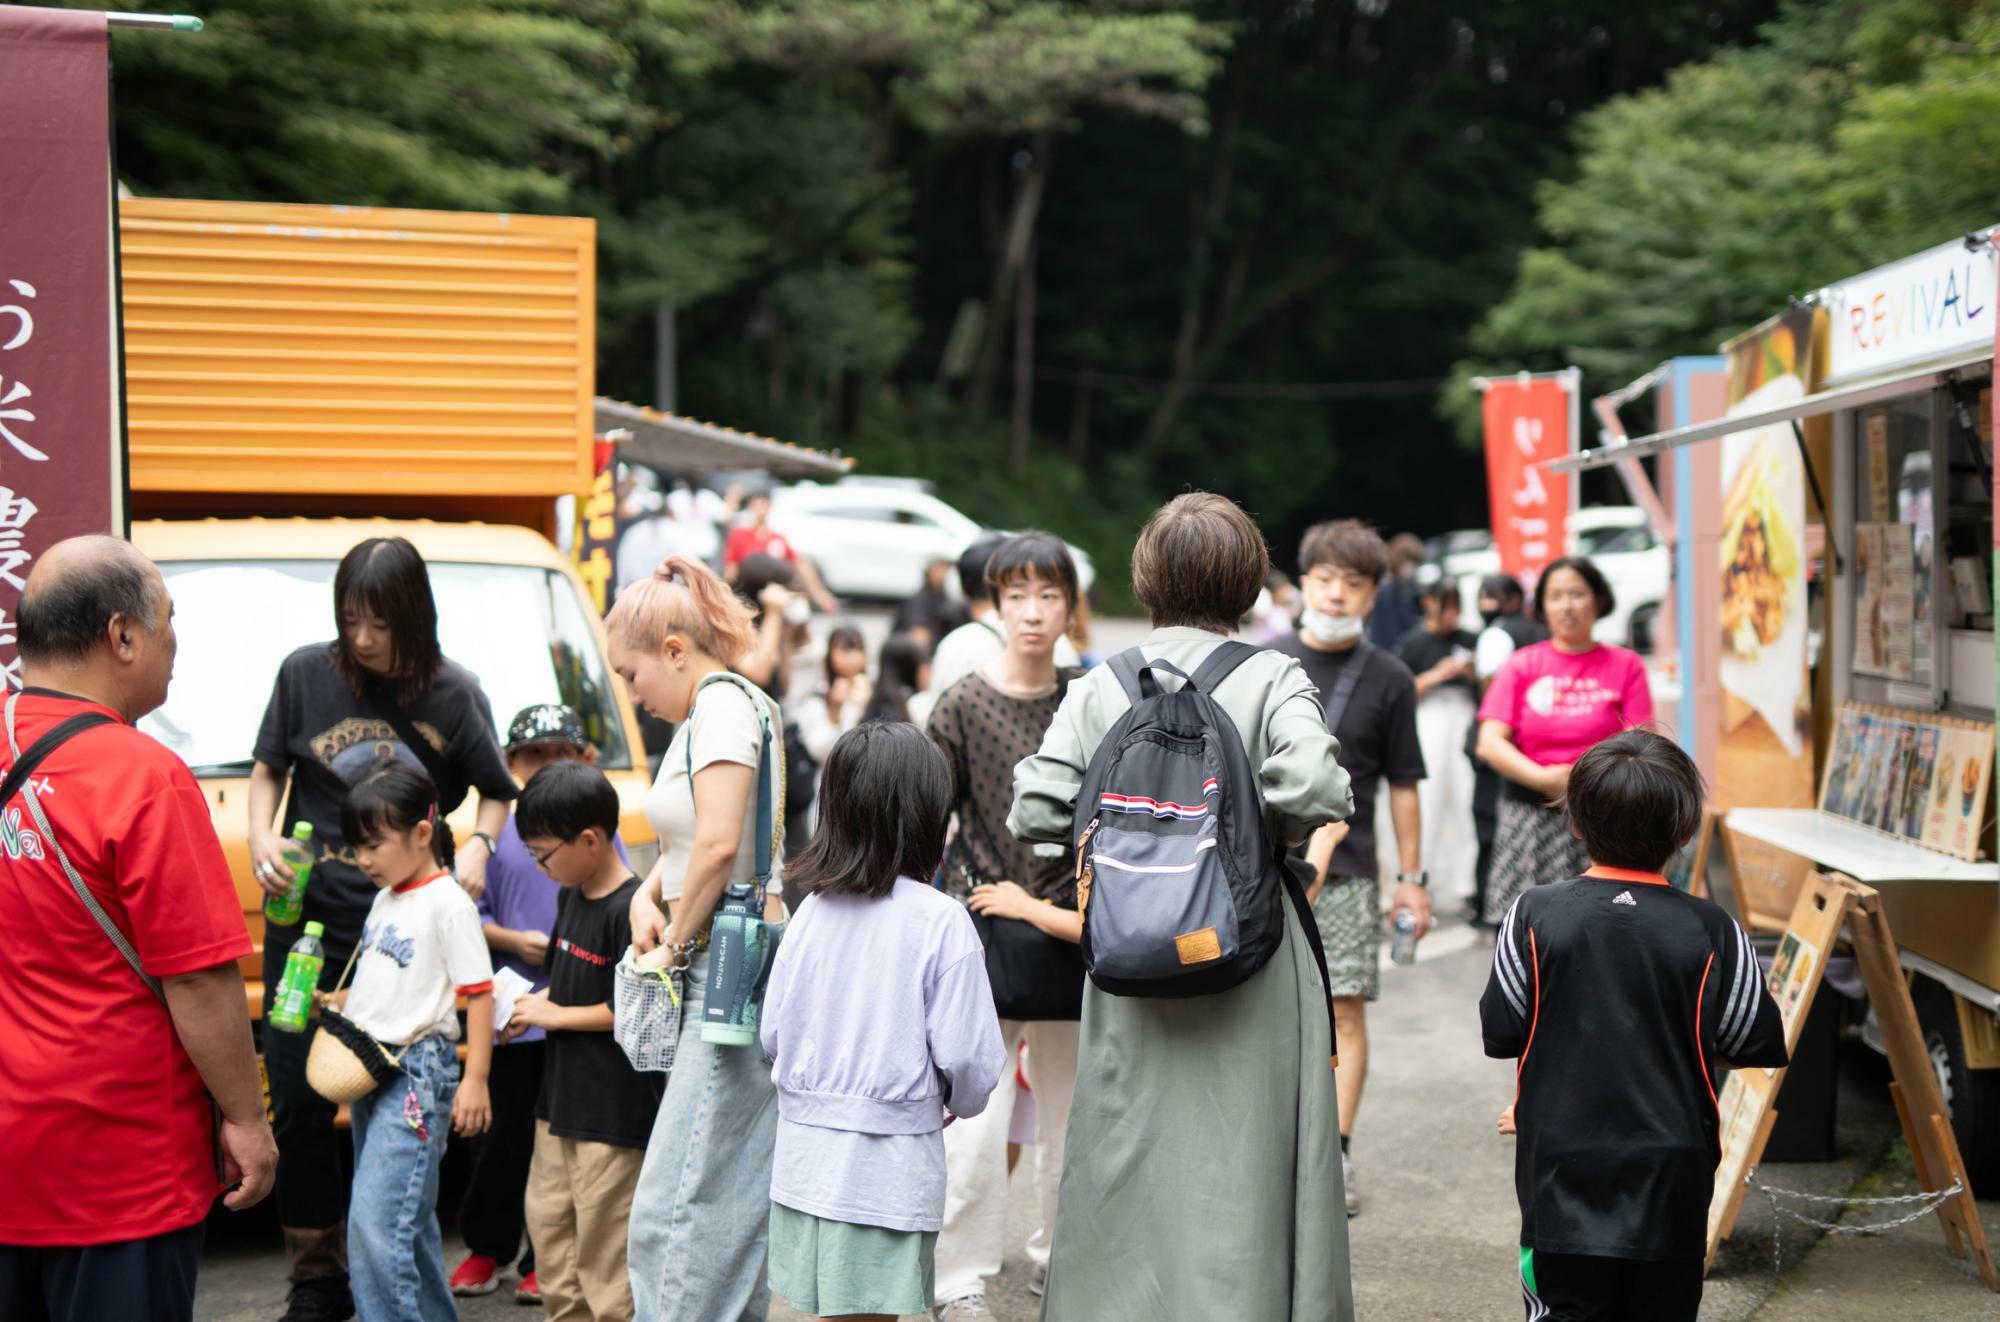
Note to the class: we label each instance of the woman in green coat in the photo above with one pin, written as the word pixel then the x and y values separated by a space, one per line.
pixel 1202 1175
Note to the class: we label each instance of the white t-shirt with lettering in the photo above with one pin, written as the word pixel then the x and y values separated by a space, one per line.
pixel 421 949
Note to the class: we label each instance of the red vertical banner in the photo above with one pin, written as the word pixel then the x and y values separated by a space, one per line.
pixel 1527 425
pixel 61 456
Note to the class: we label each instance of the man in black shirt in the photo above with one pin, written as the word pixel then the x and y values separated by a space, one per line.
pixel 595 1112
pixel 1371 708
pixel 1621 996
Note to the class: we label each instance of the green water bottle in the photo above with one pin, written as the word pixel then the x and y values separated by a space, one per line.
pixel 286 909
pixel 292 1007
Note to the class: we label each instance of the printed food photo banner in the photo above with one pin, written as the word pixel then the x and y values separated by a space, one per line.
pixel 62 467
pixel 1765 756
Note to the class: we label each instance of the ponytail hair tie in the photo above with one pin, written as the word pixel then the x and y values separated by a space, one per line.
pixel 431 814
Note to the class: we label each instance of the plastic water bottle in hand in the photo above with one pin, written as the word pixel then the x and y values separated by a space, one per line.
pixel 286 909
pixel 292 1007
pixel 1403 937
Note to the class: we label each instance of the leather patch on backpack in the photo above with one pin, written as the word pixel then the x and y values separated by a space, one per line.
pixel 1198 947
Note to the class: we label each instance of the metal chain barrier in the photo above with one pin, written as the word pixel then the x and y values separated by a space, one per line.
pixel 1930 1201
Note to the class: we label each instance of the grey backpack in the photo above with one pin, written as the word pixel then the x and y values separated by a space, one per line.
pixel 1178 883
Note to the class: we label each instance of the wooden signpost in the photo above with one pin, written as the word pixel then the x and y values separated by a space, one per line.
pixel 1746 1104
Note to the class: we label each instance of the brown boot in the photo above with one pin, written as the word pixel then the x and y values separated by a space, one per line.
pixel 316 1261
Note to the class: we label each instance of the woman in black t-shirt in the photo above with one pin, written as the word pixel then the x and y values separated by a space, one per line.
pixel 382 690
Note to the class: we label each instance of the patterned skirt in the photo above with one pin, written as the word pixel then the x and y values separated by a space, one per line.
pixel 1532 845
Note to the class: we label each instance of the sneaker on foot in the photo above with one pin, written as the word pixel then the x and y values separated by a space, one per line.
pixel 477 1275
pixel 529 1291
pixel 319 1299
pixel 1347 1180
pixel 965 1308
pixel 1038 1284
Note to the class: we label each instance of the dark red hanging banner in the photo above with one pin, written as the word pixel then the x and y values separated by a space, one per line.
pixel 61 455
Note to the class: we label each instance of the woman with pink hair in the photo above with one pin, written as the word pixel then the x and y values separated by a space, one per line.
pixel 701 1213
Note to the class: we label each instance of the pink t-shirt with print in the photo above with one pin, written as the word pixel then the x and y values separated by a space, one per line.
pixel 1561 703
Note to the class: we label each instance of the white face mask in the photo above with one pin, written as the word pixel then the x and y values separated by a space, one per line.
pixel 1330 630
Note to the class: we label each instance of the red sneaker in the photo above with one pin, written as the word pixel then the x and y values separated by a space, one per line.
pixel 477 1275
pixel 529 1291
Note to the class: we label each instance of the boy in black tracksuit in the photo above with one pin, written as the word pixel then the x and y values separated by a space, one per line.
pixel 1621 996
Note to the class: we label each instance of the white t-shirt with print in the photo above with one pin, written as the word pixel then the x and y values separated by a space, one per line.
pixel 723 728
pixel 421 948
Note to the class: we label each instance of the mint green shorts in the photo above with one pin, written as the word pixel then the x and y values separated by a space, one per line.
pixel 834 1268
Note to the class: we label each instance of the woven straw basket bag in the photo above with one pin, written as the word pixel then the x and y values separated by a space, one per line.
pixel 345 1064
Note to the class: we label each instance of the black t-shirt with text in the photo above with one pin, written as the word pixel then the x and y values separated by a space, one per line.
pixel 1423 649
pixel 590 1091
pixel 1377 734
pixel 326 736
pixel 1622 996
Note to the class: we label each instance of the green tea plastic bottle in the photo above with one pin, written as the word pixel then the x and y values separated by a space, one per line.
pixel 286 909
pixel 292 1007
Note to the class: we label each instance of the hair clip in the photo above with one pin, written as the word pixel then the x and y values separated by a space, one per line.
pixel 431 814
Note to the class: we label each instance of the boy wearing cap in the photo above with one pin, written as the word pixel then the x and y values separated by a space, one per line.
pixel 517 913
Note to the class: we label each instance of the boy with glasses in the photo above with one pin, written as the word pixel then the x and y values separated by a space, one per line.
pixel 595 1112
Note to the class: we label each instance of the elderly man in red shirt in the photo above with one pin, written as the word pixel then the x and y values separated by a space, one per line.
pixel 129 1095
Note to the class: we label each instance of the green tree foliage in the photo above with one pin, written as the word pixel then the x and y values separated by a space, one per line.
pixel 1138 214
pixel 1851 135
pixel 430 103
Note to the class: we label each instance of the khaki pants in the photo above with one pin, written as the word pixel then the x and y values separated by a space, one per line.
pixel 579 1207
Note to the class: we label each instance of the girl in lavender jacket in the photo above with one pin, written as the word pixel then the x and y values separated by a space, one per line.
pixel 879 1020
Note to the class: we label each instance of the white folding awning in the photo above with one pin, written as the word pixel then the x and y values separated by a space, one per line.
pixel 1859 395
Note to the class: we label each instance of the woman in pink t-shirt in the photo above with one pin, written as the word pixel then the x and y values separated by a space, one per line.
pixel 1548 705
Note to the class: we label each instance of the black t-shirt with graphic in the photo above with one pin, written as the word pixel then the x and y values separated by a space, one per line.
pixel 590 1091
pixel 1377 734
pixel 326 736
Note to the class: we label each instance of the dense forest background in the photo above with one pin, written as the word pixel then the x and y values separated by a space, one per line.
pixel 1066 257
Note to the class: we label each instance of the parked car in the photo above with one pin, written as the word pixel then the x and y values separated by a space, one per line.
pixel 1616 538
pixel 874 537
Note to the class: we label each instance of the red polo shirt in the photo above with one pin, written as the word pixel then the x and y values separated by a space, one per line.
pixel 105 1129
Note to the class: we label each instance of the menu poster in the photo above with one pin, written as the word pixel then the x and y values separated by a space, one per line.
pixel 1886 605
pixel 1958 794
pixel 1737 1111
pixel 1843 757
pixel 1868 641
pixel 1917 782
pixel 1791 977
pixel 1879 510
pixel 1913 775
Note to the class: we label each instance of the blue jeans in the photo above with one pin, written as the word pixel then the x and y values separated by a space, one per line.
pixel 701 1217
pixel 395 1249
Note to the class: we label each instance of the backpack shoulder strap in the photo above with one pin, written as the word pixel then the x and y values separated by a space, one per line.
pixel 1220 664
pixel 1126 665
pixel 1343 688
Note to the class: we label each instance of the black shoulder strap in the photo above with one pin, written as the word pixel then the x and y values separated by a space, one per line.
pixel 38 751
pixel 1343 688
pixel 1221 662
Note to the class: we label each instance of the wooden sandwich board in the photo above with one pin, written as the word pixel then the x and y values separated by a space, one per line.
pixel 1746 1104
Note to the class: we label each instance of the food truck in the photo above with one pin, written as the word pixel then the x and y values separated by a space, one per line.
pixel 301 378
pixel 1836 567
